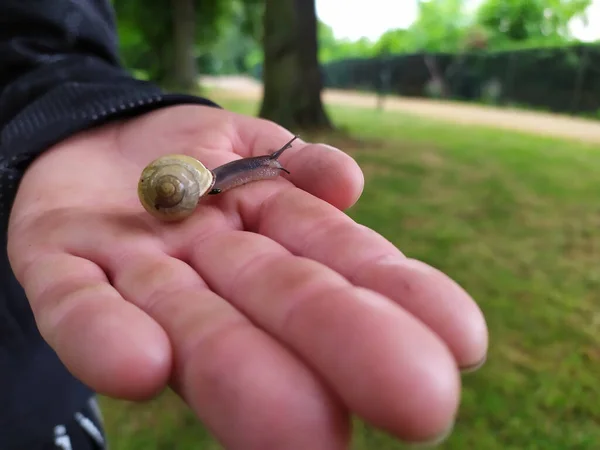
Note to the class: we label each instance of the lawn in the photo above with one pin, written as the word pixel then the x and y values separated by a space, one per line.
pixel 516 220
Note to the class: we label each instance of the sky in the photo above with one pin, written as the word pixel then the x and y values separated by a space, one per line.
pixel 354 19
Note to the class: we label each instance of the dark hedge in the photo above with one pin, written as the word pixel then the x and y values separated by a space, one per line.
pixel 561 79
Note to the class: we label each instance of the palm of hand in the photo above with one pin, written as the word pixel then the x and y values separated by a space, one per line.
pixel 269 311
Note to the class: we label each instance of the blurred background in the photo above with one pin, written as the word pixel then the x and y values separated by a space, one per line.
pixel 477 124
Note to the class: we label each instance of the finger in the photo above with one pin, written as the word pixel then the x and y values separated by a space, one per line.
pixel 248 390
pixel 385 365
pixel 327 173
pixel 322 170
pixel 313 229
pixel 107 343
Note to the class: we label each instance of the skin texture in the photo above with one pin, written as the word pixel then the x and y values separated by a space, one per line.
pixel 272 313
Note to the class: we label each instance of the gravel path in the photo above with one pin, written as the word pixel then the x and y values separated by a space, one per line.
pixel 533 122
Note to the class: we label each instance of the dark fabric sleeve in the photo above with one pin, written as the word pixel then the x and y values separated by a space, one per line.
pixel 60 74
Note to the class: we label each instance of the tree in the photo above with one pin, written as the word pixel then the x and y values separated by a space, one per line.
pixel 291 73
pixel 331 48
pixel 164 38
pixel 185 71
pixel 526 20
pixel 394 41
pixel 441 25
pixel 238 46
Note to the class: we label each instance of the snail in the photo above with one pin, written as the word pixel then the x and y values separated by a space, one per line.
pixel 171 186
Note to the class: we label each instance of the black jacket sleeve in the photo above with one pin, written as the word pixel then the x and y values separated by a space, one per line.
pixel 60 74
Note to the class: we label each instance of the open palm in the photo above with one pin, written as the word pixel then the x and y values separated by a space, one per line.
pixel 270 311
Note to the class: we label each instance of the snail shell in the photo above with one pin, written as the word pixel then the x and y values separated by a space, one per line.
pixel 170 187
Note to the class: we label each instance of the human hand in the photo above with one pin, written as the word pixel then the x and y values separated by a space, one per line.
pixel 270 311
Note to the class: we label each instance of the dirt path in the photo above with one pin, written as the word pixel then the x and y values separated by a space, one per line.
pixel 532 122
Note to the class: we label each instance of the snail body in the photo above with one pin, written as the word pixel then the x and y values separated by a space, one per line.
pixel 242 171
pixel 171 186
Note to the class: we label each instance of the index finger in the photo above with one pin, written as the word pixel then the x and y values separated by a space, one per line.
pixel 322 170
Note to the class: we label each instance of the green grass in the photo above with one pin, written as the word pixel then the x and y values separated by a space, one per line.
pixel 515 219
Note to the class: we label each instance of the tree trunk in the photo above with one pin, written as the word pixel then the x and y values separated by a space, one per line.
pixel 291 71
pixel 184 71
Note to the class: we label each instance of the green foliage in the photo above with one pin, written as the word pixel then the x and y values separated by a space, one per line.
pixel 441 26
pixel 394 41
pixel 237 48
pixel 143 39
pixel 331 48
pixel 449 26
pixel 229 33
pixel 522 20
pixel 514 219
pixel 226 31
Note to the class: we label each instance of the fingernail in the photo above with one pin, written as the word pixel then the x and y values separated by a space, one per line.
pixel 474 367
pixel 432 442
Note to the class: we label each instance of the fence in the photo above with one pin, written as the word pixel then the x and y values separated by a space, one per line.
pixel 561 79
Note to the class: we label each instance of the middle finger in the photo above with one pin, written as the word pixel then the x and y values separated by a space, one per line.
pixel 384 364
